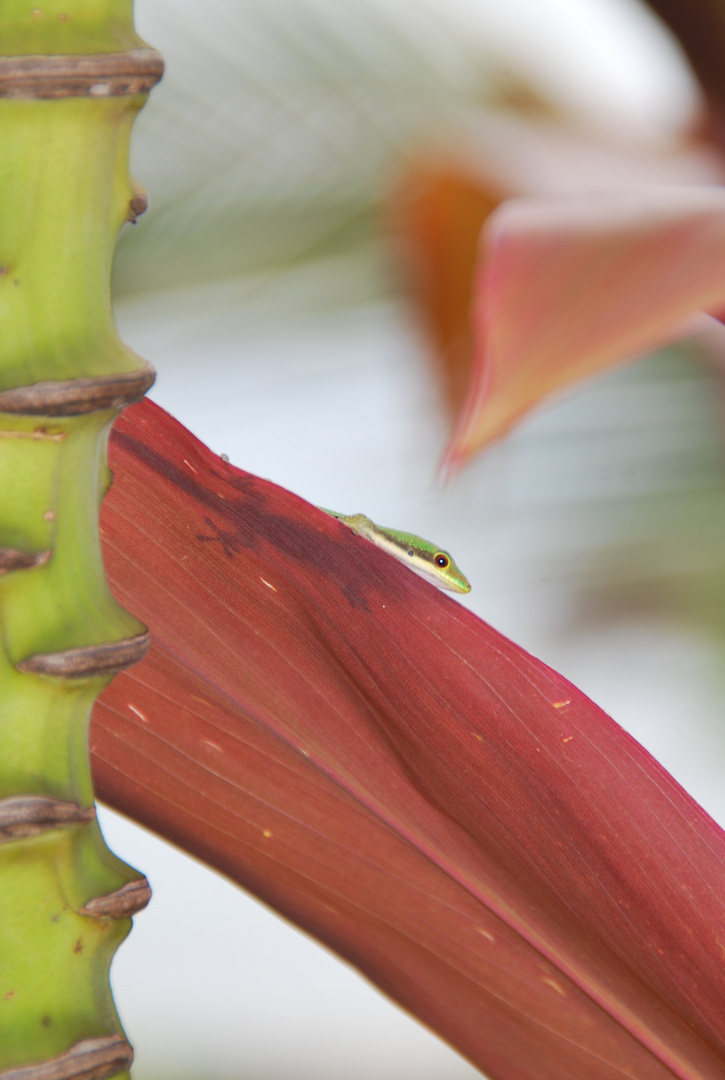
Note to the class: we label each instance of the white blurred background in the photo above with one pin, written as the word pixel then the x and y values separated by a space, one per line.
pixel 261 286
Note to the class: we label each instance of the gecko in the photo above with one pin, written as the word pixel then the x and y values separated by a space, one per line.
pixel 426 559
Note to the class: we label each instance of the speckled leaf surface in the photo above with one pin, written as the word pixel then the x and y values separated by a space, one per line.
pixel 389 772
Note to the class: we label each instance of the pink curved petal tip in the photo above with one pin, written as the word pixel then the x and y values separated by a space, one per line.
pixel 566 288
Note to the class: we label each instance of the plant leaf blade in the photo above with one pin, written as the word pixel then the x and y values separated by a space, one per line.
pixel 363 753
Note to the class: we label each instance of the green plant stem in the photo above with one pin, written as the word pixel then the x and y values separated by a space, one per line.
pixel 65 900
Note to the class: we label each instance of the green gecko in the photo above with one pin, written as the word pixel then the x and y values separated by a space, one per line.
pixel 424 558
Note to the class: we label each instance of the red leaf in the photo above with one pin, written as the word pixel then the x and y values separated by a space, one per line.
pixel 445 193
pixel 387 771
pixel 569 287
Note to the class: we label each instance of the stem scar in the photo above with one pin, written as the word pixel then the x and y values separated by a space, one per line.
pixel 40 434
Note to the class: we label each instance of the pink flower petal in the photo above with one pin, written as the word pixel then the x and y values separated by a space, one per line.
pixel 569 287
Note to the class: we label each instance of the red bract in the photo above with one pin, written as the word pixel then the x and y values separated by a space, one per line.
pixel 364 754
pixel 569 287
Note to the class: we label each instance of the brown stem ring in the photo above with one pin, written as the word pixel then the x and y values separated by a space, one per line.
pixel 90 1059
pixel 99 75
pixel 88 661
pixel 27 815
pixel 78 396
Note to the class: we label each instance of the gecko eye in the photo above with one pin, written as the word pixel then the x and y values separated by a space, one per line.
pixel 441 559
pixel 411 553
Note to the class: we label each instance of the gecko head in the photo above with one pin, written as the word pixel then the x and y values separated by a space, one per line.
pixel 448 574
pixel 438 567
pixel 430 562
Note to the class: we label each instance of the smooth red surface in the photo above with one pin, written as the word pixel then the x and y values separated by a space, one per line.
pixel 387 771
pixel 569 287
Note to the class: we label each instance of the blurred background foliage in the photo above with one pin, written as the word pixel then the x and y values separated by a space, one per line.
pixel 279 140
pixel 277 126
pixel 280 125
